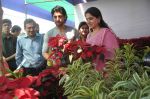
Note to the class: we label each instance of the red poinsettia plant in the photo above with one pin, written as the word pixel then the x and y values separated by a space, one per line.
pixel 43 86
pixel 18 88
pixel 56 50
pixel 65 51
pixel 46 84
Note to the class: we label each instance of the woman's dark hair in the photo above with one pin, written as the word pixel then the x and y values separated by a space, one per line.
pixel 16 28
pixel 59 9
pixel 81 24
pixel 96 13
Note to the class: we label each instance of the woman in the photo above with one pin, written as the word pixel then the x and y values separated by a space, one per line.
pixel 101 35
pixel 83 30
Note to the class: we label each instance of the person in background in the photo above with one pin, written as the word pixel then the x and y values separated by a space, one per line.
pixel 29 50
pixel 60 17
pixel 1 57
pixel 83 29
pixel 37 28
pixel 15 30
pixel 101 35
pixel 8 44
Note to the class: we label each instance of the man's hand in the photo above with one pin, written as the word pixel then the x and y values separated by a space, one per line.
pixel 15 71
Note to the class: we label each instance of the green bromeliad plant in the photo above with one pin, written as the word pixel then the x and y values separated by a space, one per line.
pixel 124 77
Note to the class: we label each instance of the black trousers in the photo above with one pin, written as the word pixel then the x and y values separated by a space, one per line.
pixel 33 71
pixel 12 65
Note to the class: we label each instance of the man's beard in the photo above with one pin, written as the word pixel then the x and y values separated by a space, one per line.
pixel 59 24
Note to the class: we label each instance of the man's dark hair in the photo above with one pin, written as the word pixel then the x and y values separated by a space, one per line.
pixel 6 21
pixel 16 28
pixel 29 21
pixel 59 9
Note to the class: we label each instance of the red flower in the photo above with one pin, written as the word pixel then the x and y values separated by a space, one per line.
pixel 61 41
pixel 61 49
pixel 4 68
pixel 24 82
pixel 89 54
pixel 67 46
pixel 26 93
pixel 56 41
pixel 60 54
pixel 58 61
pixel 51 71
pixel 3 83
pixel 5 95
pixel 53 42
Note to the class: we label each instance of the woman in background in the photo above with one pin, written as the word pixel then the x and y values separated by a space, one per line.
pixel 83 30
pixel 101 35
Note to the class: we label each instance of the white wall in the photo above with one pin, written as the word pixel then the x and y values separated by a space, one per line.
pixel 18 18
pixel 128 18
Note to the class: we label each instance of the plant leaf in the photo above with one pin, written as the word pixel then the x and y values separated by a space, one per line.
pixel 135 95
pixel 120 84
pixel 145 76
pixel 146 90
pixel 137 79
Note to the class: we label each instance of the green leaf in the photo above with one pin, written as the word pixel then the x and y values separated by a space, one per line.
pixel 63 79
pixel 68 83
pixel 102 96
pixel 146 90
pixel 147 68
pixel 84 90
pixel 12 73
pixel 80 97
pixel 98 86
pixel 112 94
pixel 135 95
pixel 68 91
pixel 126 74
pixel 145 76
pixel 120 84
pixel 130 86
pixel 106 89
pixel 119 94
pixel 147 97
pixel 137 79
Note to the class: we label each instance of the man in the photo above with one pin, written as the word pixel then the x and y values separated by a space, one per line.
pixel 59 16
pixel 37 28
pixel 29 49
pixel 8 44
pixel 15 30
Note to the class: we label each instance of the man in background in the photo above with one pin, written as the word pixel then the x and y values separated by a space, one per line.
pixel 37 28
pixel 29 50
pixel 8 44
pixel 60 17
pixel 15 30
